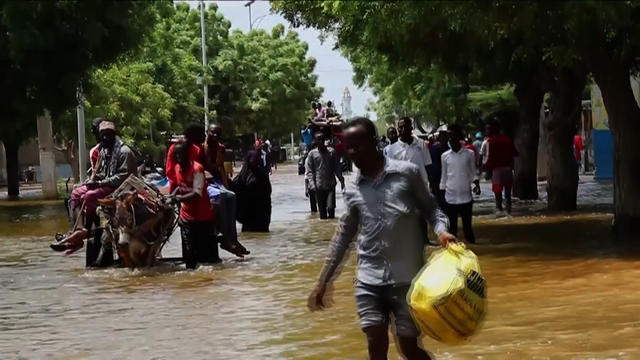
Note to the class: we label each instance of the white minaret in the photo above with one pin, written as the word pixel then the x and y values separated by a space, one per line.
pixel 346 104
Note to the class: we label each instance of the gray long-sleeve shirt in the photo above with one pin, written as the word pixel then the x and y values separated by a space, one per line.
pixel 388 213
pixel 322 168
pixel 125 165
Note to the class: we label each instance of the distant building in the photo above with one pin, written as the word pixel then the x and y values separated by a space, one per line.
pixel 346 104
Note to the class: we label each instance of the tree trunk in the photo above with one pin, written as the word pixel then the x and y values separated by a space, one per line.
pixel 530 96
pixel 624 122
pixel 560 127
pixel 13 169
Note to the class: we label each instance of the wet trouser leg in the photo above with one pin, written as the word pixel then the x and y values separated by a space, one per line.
pixel 331 204
pixel 466 213
pixel 198 243
pixel 227 216
pixel 312 201
pixel 322 197
pixel 452 213
pixel 206 244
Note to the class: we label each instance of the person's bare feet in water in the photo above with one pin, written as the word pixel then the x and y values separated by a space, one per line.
pixel 71 243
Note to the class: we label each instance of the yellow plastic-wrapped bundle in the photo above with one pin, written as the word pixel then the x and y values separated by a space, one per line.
pixel 448 298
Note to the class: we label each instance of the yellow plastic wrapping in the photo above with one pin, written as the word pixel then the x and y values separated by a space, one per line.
pixel 448 297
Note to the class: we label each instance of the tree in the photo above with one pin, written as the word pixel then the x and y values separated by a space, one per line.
pixel 259 80
pixel 43 67
pixel 268 82
pixel 461 39
pixel 605 36
pixel 489 43
pixel 174 50
pixel 127 94
pixel 151 92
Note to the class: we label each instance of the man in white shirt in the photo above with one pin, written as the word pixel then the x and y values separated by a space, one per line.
pixel 410 148
pixel 458 173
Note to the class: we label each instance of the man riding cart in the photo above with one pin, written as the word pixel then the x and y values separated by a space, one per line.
pixel 116 161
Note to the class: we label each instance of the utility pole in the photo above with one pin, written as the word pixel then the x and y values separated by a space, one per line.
pixel 204 66
pixel 248 4
pixel 82 141
pixel 292 145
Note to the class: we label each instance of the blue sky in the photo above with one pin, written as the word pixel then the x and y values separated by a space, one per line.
pixel 333 70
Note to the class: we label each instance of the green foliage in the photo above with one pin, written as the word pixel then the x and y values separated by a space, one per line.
pixel 142 109
pixel 258 81
pixel 47 47
pixel 424 61
pixel 484 103
pixel 54 44
pixel 267 82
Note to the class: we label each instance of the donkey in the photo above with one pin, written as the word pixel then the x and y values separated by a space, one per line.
pixel 141 227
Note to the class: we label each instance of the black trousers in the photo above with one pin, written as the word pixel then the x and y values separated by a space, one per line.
pixel 465 211
pixel 326 200
pixel 199 244
pixel 312 201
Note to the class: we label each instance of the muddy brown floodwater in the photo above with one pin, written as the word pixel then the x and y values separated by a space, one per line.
pixel 559 288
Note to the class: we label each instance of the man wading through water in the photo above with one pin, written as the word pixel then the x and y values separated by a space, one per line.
pixel 387 207
pixel 322 167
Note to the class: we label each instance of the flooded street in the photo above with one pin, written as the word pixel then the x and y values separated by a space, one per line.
pixel 559 288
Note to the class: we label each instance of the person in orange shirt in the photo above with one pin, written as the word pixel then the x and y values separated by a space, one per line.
pixel 194 138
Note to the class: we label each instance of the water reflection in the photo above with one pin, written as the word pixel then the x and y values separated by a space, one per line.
pixel 559 288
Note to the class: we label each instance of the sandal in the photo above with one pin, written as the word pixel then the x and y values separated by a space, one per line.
pixel 65 243
pixel 243 250
pixel 67 247
pixel 234 249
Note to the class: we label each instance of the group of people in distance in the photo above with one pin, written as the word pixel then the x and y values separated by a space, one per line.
pixel 210 202
pixel 454 163
pixel 449 172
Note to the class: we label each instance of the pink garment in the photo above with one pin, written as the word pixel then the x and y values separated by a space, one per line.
pixel 90 197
